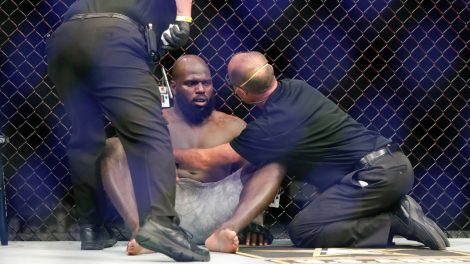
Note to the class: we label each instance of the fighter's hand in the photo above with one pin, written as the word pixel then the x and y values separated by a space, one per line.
pixel 256 239
pixel 255 235
pixel 176 35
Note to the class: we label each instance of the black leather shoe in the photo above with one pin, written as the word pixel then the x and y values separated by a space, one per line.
pixel 410 222
pixel 95 238
pixel 108 237
pixel 171 240
pixel 439 231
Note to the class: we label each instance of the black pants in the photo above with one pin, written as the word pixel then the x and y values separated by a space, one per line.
pixel 100 67
pixel 349 214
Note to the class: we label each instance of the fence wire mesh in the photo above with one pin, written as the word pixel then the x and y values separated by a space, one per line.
pixel 398 67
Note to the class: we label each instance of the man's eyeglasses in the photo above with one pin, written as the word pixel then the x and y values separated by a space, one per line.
pixel 229 83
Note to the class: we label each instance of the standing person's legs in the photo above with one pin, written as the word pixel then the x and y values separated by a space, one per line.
pixel 357 211
pixel 130 100
pixel 69 67
pixel 127 93
pixel 84 152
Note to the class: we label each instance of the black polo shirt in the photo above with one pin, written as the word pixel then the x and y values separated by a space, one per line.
pixel 303 129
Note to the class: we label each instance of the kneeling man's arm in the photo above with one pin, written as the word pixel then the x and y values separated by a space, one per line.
pixel 206 159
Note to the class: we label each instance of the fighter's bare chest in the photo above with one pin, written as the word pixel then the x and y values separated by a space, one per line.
pixel 184 136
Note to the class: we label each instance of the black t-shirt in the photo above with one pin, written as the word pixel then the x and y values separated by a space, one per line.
pixel 303 129
pixel 158 12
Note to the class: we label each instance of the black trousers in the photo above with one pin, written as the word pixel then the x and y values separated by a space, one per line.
pixel 349 214
pixel 100 67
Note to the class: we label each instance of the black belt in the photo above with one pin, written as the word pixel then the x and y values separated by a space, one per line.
pixel 368 159
pixel 101 15
pixel 149 33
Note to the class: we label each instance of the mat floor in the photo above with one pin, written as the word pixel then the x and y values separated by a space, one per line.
pixel 67 252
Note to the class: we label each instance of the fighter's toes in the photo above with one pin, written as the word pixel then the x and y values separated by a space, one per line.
pixel 224 240
pixel 133 248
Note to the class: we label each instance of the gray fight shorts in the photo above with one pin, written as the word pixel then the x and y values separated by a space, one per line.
pixel 202 207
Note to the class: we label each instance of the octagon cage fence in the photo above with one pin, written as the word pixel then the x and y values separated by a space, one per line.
pixel 398 67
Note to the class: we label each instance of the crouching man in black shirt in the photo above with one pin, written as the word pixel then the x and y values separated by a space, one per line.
pixel 362 177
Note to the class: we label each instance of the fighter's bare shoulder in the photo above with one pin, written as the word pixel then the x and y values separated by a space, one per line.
pixel 228 121
pixel 170 116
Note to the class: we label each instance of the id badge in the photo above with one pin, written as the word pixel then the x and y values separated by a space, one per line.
pixel 166 95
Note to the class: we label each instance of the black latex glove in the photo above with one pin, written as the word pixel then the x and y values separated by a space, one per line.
pixel 176 35
pixel 255 235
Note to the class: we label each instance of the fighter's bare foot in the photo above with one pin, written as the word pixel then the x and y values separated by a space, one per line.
pixel 133 248
pixel 223 240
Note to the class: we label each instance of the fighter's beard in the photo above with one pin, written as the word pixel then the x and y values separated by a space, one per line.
pixel 194 114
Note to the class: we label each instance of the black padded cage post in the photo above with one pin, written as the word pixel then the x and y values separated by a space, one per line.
pixel 3 209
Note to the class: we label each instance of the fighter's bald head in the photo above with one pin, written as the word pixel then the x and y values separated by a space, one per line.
pixel 192 84
pixel 187 63
pixel 254 65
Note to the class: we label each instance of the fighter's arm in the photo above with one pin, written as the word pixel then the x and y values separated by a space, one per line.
pixel 203 159
pixel 206 159
pixel 234 128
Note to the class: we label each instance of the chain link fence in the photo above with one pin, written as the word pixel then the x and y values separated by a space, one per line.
pixel 398 67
